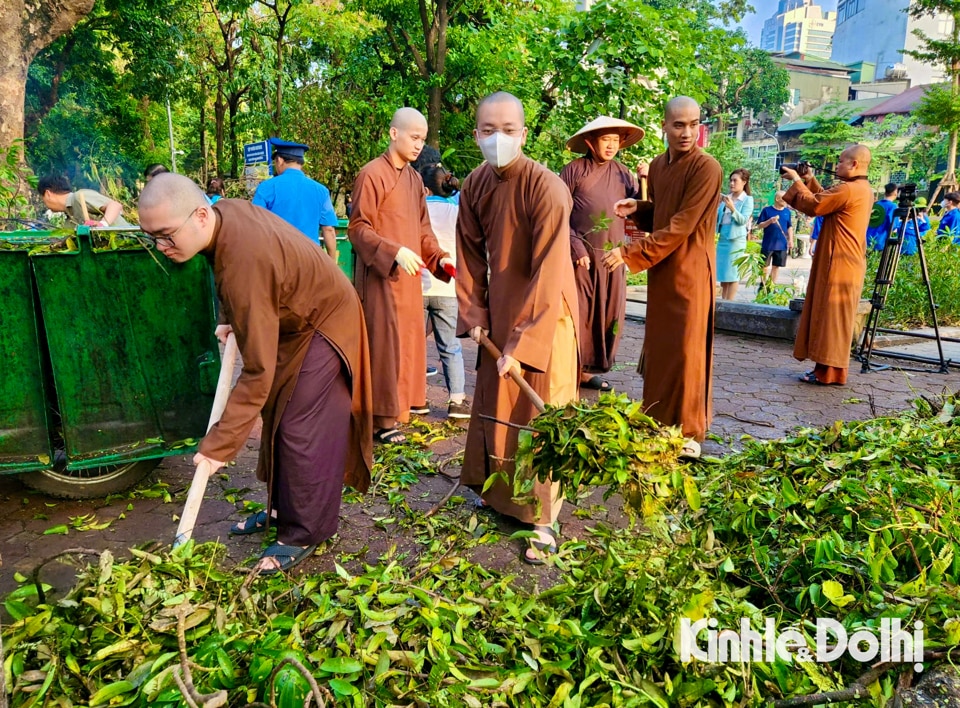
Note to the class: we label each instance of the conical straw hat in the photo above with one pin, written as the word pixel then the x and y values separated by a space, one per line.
pixel 630 134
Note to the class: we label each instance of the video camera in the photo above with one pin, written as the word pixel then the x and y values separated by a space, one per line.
pixel 802 168
pixel 908 195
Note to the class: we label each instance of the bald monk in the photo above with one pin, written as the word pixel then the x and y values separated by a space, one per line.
pixel 839 265
pixel 597 181
pixel 680 254
pixel 305 361
pixel 391 235
pixel 515 282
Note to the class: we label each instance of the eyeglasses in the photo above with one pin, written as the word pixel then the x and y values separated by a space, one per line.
pixel 167 239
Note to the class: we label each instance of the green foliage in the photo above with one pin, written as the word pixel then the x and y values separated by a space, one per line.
pixel 764 178
pixel 15 183
pixel 830 134
pixel 854 522
pixel 907 305
pixel 744 78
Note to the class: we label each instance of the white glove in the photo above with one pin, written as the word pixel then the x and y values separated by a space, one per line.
pixel 409 261
pixel 475 333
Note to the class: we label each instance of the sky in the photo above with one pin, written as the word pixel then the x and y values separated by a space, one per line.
pixel 753 24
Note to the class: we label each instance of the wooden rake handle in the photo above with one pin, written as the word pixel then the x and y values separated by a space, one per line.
pixel 514 374
pixel 188 519
pixel 643 189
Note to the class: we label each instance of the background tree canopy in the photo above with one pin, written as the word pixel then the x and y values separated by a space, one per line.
pixel 330 73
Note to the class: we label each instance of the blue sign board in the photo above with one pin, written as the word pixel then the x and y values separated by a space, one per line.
pixel 254 153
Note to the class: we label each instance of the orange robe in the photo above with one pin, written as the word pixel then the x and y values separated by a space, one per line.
pixel 602 293
pixel 515 278
pixel 836 276
pixel 277 290
pixel 390 211
pixel 680 257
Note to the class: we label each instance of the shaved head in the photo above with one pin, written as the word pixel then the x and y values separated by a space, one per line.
pixel 678 105
pixel 408 119
pixel 860 153
pixel 179 194
pixel 502 99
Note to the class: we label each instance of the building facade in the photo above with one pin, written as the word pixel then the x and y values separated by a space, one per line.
pixel 878 31
pixel 799 27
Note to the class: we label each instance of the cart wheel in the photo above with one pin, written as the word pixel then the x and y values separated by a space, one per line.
pixel 90 483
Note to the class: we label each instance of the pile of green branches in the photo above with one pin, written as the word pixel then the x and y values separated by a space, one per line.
pixel 855 522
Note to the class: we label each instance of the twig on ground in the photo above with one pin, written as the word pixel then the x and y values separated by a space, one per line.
pixel 443 502
pixel 855 691
pixel 182 675
pixel 748 421
pixel 35 573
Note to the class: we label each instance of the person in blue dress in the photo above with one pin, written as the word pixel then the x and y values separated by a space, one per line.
pixel 733 224
pixel 297 199
pixel 877 235
pixel 909 247
pixel 950 217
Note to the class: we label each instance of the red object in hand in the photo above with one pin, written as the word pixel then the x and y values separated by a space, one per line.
pixel 451 269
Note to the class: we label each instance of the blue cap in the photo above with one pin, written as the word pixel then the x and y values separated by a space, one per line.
pixel 287 148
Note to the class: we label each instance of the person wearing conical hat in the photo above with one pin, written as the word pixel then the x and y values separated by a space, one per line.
pixel 597 181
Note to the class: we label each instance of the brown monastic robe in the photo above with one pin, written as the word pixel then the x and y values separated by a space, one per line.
pixel 390 211
pixel 516 224
pixel 602 293
pixel 278 290
pixel 839 266
pixel 680 256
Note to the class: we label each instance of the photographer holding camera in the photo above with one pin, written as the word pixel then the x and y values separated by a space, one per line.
pixel 839 265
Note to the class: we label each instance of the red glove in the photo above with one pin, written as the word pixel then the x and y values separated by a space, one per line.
pixel 450 269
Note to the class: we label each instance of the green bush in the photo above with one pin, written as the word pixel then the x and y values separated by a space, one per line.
pixel 907 304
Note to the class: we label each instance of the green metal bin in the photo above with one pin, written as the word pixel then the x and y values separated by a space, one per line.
pixel 345 255
pixel 126 355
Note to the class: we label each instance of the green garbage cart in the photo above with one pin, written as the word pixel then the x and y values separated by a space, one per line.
pixel 345 254
pixel 110 361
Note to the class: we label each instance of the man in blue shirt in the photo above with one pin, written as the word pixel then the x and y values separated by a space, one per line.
pixel 950 217
pixel 877 235
pixel 297 199
pixel 777 237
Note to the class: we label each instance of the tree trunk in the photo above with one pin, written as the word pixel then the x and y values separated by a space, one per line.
pixel 234 148
pixel 434 111
pixel 219 117
pixel 204 171
pixel 25 29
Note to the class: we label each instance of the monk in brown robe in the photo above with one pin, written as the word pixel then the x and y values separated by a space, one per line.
pixel 597 181
pixel 839 264
pixel 391 236
pixel 679 254
pixel 306 367
pixel 515 282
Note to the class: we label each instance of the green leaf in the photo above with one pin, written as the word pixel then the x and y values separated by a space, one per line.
pixel 341 665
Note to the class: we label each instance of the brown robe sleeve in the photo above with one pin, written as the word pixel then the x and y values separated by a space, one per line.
pixel 531 339
pixel 375 250
pixel 251 297
pixel 472 280
pixel 699 197
pixel 813 200
pixel 571 175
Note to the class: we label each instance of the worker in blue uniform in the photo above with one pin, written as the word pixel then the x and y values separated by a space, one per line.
pixel 297 199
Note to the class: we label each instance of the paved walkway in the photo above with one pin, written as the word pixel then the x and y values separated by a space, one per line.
pixel 756 393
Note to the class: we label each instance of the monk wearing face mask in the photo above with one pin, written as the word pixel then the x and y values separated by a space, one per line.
pixel 515 282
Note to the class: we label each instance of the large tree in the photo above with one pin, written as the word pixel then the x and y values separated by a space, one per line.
pixel 940 106
pixel 26 27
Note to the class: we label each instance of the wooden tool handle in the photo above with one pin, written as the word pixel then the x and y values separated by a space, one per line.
pixel 514 374
pixel 643 189
pixel 198 486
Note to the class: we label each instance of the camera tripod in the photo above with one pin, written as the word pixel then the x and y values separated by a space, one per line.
pixel 886 273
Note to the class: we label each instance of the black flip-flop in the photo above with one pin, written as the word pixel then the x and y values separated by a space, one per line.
pixel 389 436
pixel 540 547
pixel 255 523
pixel 595 383
pixel 811 378
pixel 287 556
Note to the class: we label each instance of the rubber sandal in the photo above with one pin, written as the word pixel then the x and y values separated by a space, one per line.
pixel 690 449
pixel 546 548
pixel 255 523
pixel 811 378
pixel 389 436
pixel 595 383
pixel 287 556
pixel 422 409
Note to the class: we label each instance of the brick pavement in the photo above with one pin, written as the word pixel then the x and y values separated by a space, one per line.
pixel 756 393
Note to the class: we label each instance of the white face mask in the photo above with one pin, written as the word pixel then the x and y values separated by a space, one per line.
pixel 500 149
